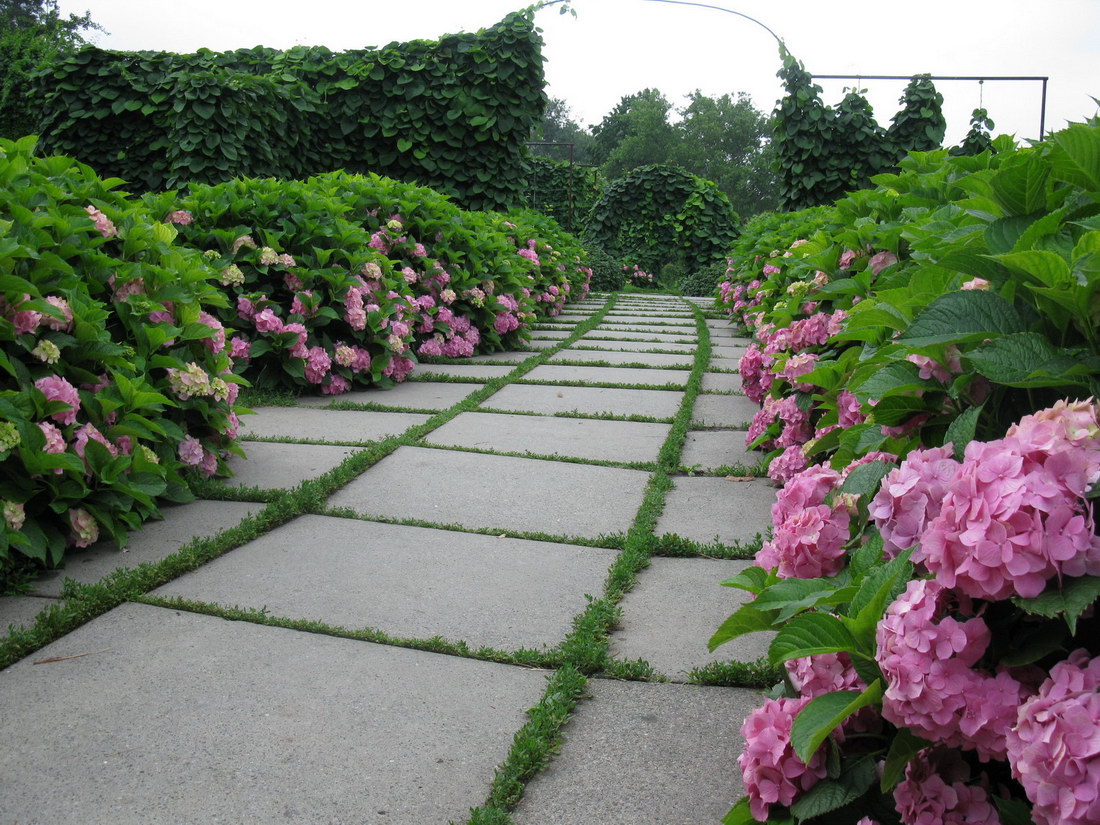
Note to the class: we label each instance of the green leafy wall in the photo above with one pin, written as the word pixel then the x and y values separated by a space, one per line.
pixel 451 114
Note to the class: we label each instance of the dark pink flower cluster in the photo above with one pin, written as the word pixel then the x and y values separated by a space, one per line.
pixel 808 536
pixel 770 770
pixel 935 791
pixel 1054 749
pixel 787 464
pixel 927 657
pixel 756 378
pixel 910 498
pixel 796 423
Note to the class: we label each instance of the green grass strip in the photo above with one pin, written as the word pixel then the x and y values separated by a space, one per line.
pixel 759 674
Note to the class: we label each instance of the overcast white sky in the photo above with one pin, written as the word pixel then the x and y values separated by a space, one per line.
pixel 616 47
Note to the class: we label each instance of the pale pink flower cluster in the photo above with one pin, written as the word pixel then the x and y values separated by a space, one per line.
pixel 849 410
pixel 14 514
pixel 87 433
pixel 56 388
pixel 796 366
pixel 770 771
pixel 190 382
pixel 796 423
pixel 927 657
pixel 180 217
pixel 84 528
pixel 910 498
pixel 65 322
pixel 756 378
pixel 935 792
pixel 106 228
pixel 812 676
pixel 1054 749
pixel 808 536
pixel 1014 515
pixel 190 451
pixel 787 464
pixel 880 261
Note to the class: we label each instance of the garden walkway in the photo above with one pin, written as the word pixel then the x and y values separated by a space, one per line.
pixel 397 580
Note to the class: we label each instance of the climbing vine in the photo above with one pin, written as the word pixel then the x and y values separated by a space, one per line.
pixel 565 192
pixel 451 114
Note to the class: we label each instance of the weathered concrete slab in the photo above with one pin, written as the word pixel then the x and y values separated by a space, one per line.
pixel 507 357
pixel 556 334
pixel 543 343
pixel 326 425
pixel 649 318
pixel 601 334
pixel 273 466
pixel 178 717
pixel 621 441
pixel 463 370
pixel 644 754
pixel 666 361
pixel 490 491
pixel 608 375
pixel 409 582
pixel 674 609
pixel 710 449
pixel 727 358
pixel 591 400
pixel 722 330
pixel 423 395
pixel 702 508
pixel 722 382
pixel 635 329
pixel 153 542
pixel 20 611
pixel 720 343
pixel 634 346
pixel 723 410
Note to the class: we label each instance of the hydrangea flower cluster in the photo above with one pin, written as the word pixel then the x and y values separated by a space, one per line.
pixel 770 771
pixel 927 657
pixel 808 535
pixel 910 497
pixel 1054 748
pixel 936 791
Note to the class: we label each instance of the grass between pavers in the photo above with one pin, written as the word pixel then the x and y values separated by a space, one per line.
pixel 654 351
pixel 671 545
pixel 756 674
pixel 83 602
pixel 631 365
pixel 671 386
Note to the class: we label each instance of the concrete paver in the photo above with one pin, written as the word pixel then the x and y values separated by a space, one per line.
pixel 647 358
pixel 723 410
pixel 511 493
pixel 674 609
pixel 409 582
pixel 722 382
pixel 702 508
pixel 20 611
pixel 621 441
pixel 424 395
pixel 326 425
pixel 463 370
pixel 644 754
pixel 276 466
pixel 178 717
pixel 710 449
pixel 608 375
pixel 591 400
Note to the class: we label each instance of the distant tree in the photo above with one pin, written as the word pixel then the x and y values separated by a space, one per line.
pixel 558 125
pixel 33 34
pixel 725 139
pixel 635 133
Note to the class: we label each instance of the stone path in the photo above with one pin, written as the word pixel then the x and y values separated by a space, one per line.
pixel 390 590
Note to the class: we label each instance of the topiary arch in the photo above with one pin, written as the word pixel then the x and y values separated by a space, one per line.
pixel 660 214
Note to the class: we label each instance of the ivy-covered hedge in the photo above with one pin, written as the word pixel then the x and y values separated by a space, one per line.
pixel 116 375
pixel 925 363
pixel 565 192
pixel 451 114
pixel 660 214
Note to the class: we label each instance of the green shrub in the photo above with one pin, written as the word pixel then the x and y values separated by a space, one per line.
pixel 117 376
pixel 703 281
pixel 607 271
pixel 661 214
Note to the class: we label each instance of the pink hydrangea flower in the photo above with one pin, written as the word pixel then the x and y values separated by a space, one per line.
pixel 770 771
pixel 239 347
pixel 56 388
pixel 927 657
pixel 797 366
pixel 505 322
pixel 808 544
pixel 181 217
pixel 787 464
pixel 103 224
pixel 910 498
pixel 935 792
pixel 976 283
pixel 318 365
pixel 1054 748
pixel 216 343
pixel 880 261
pixel 267 321
pixel 812 676
pixel 63 324
pixel 87 433
pixel 756 379
pixel 849 410
pixel 85 530
pixel 209 464
pixel 399 368
pixel 55 441
pixel 336 385
pixel 190 451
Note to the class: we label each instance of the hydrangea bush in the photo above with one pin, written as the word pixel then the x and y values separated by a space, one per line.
pixel 924 360
pixel 345 280
pixel 118 378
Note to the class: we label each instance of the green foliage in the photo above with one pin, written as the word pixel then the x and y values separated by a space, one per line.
pixel 920 124
pixel 704 280
pixel 608 274
pixel 564 192
pixel 635 133
pixel 978 139
pixel 33 34
pixel 821 153
pixel 451 114
pixel 662 214
pixel 557 125
pixel 99 299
